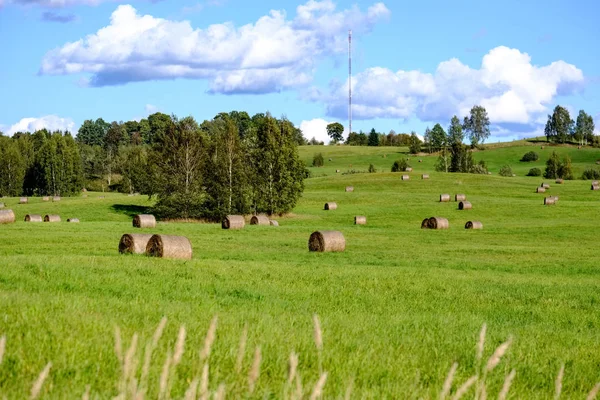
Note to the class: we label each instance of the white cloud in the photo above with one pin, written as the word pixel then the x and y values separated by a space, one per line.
pixel 512 89
pixel 272 54
pixel 62 3
pixel 50 122
pixel 317 128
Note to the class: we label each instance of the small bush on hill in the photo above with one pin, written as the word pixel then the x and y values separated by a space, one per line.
pixel 400 165
pixel 534 172
pixel 505 170
pixel 479 168
pixel 318 160
pixel 591 173
pixel 372 168
pixel 530 156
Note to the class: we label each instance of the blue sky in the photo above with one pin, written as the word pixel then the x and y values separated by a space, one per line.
pixel 414 63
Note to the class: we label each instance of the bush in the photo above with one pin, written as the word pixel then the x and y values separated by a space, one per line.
pixel 372 168
pixel 479 168
pixel 591 173
pixel 530 156
pixel 400 165
pixel 534 172
pixel 318 160
pixel 506 170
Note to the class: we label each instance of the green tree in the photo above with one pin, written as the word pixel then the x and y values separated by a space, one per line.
pixel 373 138
pixel 477 125
pixel 133 166
pixel 584 128
pixel 400 165
pixel 427 139
pixel 565 170
pixel 415 143
pixel 93 132
pixel 559 125
pixel 12 168
pixel 318 160
pixel 438 138
pixel 335 131
pixel 553 166
pixel 159 124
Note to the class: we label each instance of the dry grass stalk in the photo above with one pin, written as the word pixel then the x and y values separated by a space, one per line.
pixel 204 383
pixel 299 392
pixel 190 393
pixel 318 389
pixel 241 350
pixel 220 395
pixel 164 376
pixel 448 382
pixel 86 394
pixel 497 356
pixel 349 389
pixel 255 370
pixel 506 385
pixel 464 388
pixel 292 367
pixel 483 393
pixel 558 382
pixel 118 345
pixel 39 382
pixel 209 339
pixel 179 346
pixel 128 366
pixel 317 332
pixel 594 392
pixel 148 354
pixel 2 347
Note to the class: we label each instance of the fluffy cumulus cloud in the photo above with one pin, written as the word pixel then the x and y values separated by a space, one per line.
pixel 50 122
pixel 272 54
pixel 513 90
pixel 317 128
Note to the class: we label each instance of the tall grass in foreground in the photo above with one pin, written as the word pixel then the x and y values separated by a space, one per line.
pixel 135 366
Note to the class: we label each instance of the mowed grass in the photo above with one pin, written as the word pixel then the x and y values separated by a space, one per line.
pixel 397 308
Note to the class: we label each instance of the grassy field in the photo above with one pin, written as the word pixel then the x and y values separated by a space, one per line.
pixel 397 308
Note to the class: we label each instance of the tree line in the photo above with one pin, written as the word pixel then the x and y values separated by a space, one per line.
pixel 232 164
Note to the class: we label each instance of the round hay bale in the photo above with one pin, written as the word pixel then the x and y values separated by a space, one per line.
pixel 144 221
pixel 52 218
pixel 7 216
pixel 349 188
pixel 425 176
pixel 165 246
pixel 134 243
pixel 540 190
pixel 408 169
pixel 33 218
pixel 56 198
pixel 438 223
pixel 548 201
pixel 260 220
pixel 1 205
pixel 45 198
pixel 84 190
pixel 542 147
pixel 465 205
pixel 425 224
pixel 405 177
pixel 326 241
pixel 595 183
pixel 330 206
pixel 73 220
pixel 460 197
pixel 23 200
pixel 337 171
pixel 420 160
pixel 595 187
pixel 360 220
pixel 273 223
pixel 560 181
pixel 473 225
pixel 555 198
pixel 444 198
pixel 546 185
pixel 233 222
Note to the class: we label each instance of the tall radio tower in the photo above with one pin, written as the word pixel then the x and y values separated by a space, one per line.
pixel 349 82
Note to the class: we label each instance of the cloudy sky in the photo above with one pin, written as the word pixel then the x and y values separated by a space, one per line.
pixel 414 63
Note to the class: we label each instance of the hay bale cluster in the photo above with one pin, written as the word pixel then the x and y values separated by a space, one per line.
pixel 144 221
pixel 233 222
pixel 326 241
pixel 7 217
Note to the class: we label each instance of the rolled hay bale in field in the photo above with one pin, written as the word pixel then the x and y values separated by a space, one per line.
pixel 144 221
pixel 460 197
pixel 349 188
pixel 545 185
pixel 233 222
pixel 595 187
pixel 260 220
pixel 473 225
pixel 1 205
pixel 273 223
pixel 23 200
pixel 52 218
pixel 595 183
pixel 540 190
pixel 360 220
pixel 165 246
pixel 444 198
pixel 56 198
pixel 73 220
pixel 548 201
pixel 405 177
pixel 33 218
pixel 337 171
pixel 330 206
pixel 420 160
pixel 465 205
pixel 560 181
pixel 438 223
pixel 555 198
pixel 134 243
pixel 46 198
pixel 326 241
pixel 425 176
pixel 425 224
pixel 408 169
pixel 7 216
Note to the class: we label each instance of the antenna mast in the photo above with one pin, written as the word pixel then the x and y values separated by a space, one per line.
pixel 349 82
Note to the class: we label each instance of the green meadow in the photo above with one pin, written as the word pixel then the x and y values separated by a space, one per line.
pixel 397 308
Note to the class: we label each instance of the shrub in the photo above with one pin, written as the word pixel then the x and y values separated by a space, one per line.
pixel 505 170
pixel 534 172
pixel 479 168
pixel 400 165
pixel 372 168
pixel 530 156
pixel 318 160
pixel 591 173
